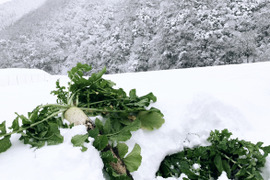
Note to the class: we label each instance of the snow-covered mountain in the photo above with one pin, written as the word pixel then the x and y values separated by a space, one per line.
pixel 194 101
pixel 132 36
pixel 13 10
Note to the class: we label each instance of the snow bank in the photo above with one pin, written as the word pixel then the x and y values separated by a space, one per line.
pixel 11 11
pixel 53 162
pixel 20 76
pixel 194 102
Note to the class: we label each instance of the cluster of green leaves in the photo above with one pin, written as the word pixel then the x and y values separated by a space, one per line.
pixel 106 136
pixel 131 161
pixel 37 130
pixel 120 115
pixel 238 158
pixel 40 127
pixel 97 92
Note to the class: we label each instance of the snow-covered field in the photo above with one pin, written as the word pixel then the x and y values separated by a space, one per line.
pixel 194 101
pixel 13 10
pixel 4 1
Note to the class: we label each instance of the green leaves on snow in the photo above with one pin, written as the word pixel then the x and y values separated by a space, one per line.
pixel 119 113
pixel 238 158
pixel 79 140
pixel 40 127
pixel 151 120
pixel 5 143
pixel 133 159
pixel 122 149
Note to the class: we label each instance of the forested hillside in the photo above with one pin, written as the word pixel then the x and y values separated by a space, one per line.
pixel 141 35
pixel 13 10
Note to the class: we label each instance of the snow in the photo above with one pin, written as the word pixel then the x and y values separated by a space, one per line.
pixel 194 102
pixel 4 1
pixel 53 162
pixel 12 10
pixel 13 76
pixel 196 166
pixel 223 176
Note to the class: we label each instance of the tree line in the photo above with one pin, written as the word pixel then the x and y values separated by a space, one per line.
pixel 142 35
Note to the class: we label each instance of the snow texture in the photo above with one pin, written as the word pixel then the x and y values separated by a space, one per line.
pixel 129 36
pixel 4 1
pixel 12 10
pixel 223 176
pixel 194 102
pixel 15 76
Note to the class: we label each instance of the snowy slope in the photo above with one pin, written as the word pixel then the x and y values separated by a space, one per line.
pixel 194 101
pixel 12 11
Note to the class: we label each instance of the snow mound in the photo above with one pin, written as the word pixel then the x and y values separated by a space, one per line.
pixel 64 161
pixel 14 76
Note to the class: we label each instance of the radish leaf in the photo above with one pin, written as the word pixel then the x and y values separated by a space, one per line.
pixel 133 159
pixel 5 143
pixel 15 124
pixel 122 149
pixel 151 120
pixel 79 140
pixel 218 163
pixel 121 136
pixel 100 142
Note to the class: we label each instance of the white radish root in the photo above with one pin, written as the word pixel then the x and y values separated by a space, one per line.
pixel 75 115
pixel 119 166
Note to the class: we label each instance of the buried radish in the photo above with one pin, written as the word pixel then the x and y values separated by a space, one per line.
pixel 118 113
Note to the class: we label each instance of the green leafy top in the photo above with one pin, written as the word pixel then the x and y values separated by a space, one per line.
pixel 96 92
pixel 238 158
pixel 97 96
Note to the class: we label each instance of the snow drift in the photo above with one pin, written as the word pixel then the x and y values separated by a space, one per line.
pixel 194 102
pixel 18 76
